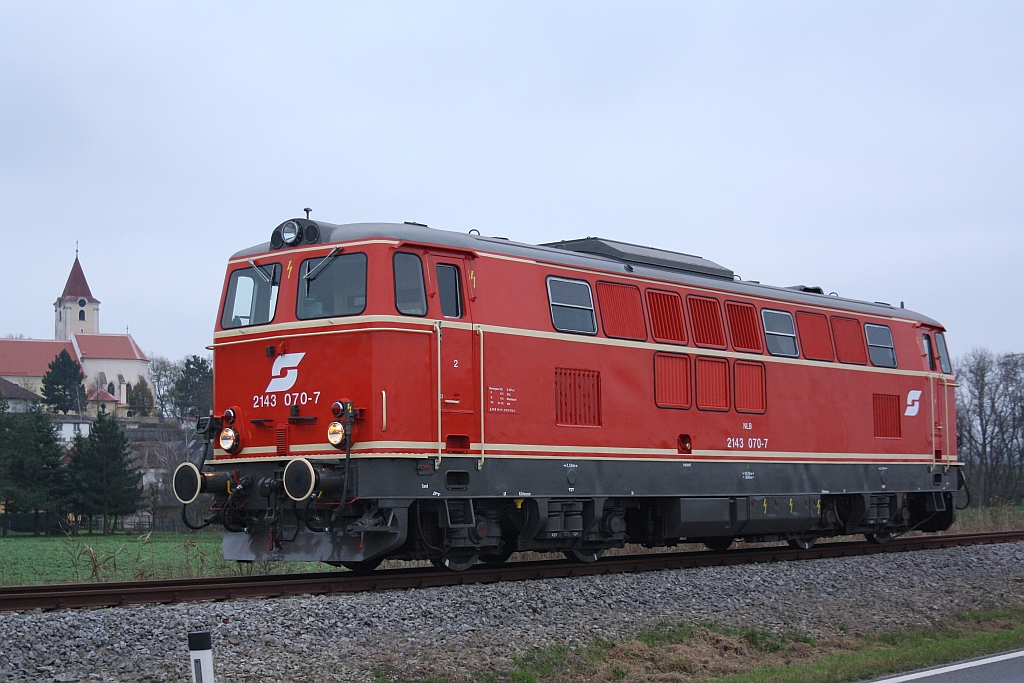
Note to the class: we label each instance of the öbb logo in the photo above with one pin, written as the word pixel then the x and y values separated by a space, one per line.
pixel 289 364
pixel 913 403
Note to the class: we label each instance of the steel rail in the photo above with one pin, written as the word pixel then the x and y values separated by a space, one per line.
pixel 167 591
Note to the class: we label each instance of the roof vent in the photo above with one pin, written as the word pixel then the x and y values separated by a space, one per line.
pixel 808 289
pixel 647 256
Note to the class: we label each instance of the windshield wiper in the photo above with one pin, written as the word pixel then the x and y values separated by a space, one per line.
pixel 311 275
pixel 263 273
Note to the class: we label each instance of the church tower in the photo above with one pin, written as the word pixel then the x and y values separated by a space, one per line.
pixel 76 311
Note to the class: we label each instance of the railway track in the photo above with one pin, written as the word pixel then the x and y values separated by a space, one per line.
pixel 111 594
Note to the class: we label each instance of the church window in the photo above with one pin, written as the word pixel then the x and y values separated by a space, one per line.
pixel 110 388
pixel 81 314
pixel 128 392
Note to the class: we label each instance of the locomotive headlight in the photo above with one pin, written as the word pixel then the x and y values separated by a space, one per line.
pixel 291 233
pixel 336 434
pixel 229 439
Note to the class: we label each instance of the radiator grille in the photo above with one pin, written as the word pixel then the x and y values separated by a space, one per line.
pixel 750 393
pixel 706 318
pixel 743 327
pixel 672 380
pixel 815 339
pixel 577 397
pixel 282 440
pixel 713 383
pixel 849 341
pixel 666 311
pixel 887 416
pixel 622 311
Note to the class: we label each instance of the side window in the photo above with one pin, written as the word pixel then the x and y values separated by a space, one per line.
pixel 332 286
pixel 449 291
pixel 410 294
pixel 927 345
pixel 81 314
pixel 252 296
pixel 780 333
pixel 940 342
pixel 572 306
pixel 880 346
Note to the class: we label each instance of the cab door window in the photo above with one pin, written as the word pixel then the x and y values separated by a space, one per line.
pixel 449 290
pixel 926 341
pixel 940 341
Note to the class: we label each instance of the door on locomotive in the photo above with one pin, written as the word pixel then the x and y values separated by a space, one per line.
pixel 450 277
pixel 940 391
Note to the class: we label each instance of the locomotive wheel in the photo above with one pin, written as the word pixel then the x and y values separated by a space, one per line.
pixel 455 562
pixel 803 542
pixel 879 538
pixel 584 556
pixel 363 566
pixel 718 543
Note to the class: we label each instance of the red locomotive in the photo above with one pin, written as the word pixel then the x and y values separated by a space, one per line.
pixel 395 391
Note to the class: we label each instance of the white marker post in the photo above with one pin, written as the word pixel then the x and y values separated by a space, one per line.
pixel 200 656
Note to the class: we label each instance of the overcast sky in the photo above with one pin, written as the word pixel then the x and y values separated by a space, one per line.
pixel 874 149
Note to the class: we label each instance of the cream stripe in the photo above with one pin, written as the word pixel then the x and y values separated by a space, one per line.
pixel 560 336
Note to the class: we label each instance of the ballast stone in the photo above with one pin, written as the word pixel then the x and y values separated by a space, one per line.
pixel 459 630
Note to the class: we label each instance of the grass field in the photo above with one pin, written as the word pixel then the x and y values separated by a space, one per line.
pixel 51 559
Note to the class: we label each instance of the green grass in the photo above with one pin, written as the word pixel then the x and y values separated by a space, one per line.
pixel 52 559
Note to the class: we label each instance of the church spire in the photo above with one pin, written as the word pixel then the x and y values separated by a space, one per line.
pixel 77 287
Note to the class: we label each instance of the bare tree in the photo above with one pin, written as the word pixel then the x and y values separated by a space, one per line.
pixel 990 425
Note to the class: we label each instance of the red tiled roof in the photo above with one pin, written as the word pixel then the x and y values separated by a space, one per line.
pixel 99 395
pixel 77 287
pixel 13 391
pixel 30 357
pixel 119 346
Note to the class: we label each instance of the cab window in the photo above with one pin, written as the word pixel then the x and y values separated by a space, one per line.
pixel 252 296
pixel 332 286
pixel 410 294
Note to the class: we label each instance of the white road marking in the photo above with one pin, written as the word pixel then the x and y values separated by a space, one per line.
pixel 953 667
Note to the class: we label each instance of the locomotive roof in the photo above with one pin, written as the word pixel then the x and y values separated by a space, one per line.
pixel 598 254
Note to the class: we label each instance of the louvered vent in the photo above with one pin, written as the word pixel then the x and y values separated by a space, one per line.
pixel 671 380
pixel 706 319
pixel 622 311
pixel 750 393
pixel 577 397
pixel 887 416
pixel 849 341
pixel 743 327
pixel 712 384
pixel 666 309
pixel 815 339
pixel 282 441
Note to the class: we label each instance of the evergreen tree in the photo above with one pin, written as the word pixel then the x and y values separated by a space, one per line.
pixel 141 399
pixel 193 390
pixel 112 482
pixel 31 472
pixel 62 384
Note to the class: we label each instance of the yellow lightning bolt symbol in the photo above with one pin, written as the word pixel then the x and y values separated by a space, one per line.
pixel 289 270
pixel 472 276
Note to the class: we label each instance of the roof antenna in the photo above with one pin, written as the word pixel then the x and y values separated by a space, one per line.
pixel 307 210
